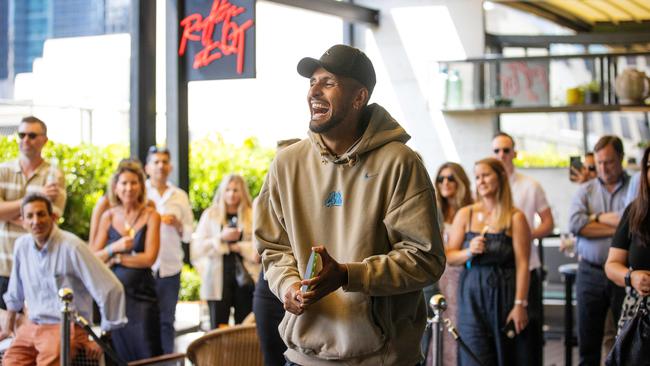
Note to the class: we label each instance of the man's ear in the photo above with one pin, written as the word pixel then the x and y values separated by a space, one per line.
pixel 361 98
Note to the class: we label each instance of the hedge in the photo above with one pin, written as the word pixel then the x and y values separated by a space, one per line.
pixel 87 169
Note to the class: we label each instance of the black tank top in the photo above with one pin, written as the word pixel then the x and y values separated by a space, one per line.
pixel 498 248
pixel 138 282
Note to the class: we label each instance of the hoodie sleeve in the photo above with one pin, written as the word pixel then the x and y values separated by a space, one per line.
pixel 271 239
pixel 416 258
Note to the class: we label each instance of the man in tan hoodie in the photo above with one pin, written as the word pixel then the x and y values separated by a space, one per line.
pixel 358 196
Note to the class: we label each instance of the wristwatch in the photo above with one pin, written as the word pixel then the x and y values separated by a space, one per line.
pixel 523 303
pixel 628 278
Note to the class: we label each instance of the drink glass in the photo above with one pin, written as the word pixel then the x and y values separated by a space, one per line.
pixel 568 244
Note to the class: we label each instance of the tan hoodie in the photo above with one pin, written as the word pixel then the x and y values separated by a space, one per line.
pixel 374 209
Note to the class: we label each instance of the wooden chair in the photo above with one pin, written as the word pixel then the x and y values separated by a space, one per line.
pixel 173 359
pixel 232 346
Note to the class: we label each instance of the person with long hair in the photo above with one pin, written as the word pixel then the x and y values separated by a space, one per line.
pixel 223 238
pixel 491 239
pixel 628 261
pixel 128 240
pixel 453 192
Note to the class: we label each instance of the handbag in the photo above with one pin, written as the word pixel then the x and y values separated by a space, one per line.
pixel 632 345
pixel 242 276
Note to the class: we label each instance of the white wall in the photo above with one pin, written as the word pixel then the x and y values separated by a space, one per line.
pixel 411 38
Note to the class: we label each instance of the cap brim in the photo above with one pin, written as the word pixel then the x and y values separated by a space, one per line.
pixel 307 66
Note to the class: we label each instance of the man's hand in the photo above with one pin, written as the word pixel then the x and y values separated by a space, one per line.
pixel 329 279
pixel 292 299
pixel 93 351
pixel 51 191
pixel 172 220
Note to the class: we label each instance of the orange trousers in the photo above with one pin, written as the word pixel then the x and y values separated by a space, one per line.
pixel 41 345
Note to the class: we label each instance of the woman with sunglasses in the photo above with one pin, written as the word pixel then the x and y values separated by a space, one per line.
pixel 628 262
pixel 128 240
pixel 452 193
pixel 491 240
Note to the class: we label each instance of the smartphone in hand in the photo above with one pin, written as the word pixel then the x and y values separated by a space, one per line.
pixel 575 162
pixel 310 272
pixel 509 330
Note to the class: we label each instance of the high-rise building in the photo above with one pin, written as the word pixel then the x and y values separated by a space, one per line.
pixel 26 24
pixel 4 39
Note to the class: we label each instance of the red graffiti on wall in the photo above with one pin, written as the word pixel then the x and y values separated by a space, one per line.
pixel 231 41
pixel 521 78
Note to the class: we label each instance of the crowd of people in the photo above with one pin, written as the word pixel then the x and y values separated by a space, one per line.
pixel 354 197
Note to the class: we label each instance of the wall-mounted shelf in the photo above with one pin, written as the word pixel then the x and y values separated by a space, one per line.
pixel 551 109
pixel 535 84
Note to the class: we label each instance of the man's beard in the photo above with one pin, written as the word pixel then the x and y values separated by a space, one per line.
pixel 334 121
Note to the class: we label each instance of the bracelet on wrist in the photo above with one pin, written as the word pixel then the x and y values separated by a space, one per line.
pixel 109 250
pixel 628 278
pixel 523 303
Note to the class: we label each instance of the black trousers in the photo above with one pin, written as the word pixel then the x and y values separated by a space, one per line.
pixel 596 294
pixel 530 344
pixel 241 298
pixel 4 284
pixel 269 312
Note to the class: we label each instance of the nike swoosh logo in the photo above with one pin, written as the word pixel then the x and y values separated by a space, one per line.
pixel 368 176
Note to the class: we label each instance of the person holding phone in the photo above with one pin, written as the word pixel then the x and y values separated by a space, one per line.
pixel 491 240
pixel 222 237
pixel 581 173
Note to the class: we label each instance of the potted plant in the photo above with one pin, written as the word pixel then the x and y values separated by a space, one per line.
pixel 592 92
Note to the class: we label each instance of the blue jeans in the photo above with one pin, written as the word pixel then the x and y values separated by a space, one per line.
pixel 595 294
pixel 167 289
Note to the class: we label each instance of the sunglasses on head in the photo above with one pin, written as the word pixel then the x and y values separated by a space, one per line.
pixel 506 150
pixel 449 178
pixel 31 135
pixel 156 150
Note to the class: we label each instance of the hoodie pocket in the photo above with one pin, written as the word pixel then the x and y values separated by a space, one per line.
pixel 340 326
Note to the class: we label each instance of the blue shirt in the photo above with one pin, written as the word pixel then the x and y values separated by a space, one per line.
pixel 64 261
pixel 591 198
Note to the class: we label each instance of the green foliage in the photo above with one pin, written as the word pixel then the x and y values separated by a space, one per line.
pixel 549 158
pixel 87 169
pixel 211 158
pixel 190 284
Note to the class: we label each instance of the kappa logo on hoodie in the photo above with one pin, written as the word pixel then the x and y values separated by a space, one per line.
pixel 334 199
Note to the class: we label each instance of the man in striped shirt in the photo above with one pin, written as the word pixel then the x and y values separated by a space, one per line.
pixel 29 173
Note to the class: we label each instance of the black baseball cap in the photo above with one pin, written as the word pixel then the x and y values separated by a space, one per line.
pixel 345 61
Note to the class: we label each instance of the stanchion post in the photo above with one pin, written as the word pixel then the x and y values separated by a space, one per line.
pixel 439 305
pixel 66 295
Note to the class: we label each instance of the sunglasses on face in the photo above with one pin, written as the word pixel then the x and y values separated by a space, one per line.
pixel 506 150
pixel 592 168
pixel 449 178
pixel 31 135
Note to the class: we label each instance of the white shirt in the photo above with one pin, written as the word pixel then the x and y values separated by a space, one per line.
pixel 529 197
pixel 173 201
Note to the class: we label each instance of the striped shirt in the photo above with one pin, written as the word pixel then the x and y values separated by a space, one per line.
pixel 14 186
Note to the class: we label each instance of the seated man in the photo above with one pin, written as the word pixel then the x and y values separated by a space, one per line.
pixel 46 260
